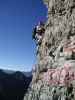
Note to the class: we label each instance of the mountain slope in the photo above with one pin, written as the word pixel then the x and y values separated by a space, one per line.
pixel 13 85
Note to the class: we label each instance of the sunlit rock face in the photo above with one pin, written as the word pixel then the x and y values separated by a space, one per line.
pixel 55 69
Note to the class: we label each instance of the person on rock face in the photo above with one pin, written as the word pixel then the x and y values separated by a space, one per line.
pixel 38 32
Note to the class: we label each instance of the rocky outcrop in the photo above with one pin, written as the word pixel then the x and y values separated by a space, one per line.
pixel 56 51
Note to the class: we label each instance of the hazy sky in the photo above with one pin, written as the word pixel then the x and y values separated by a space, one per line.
pixel 17 18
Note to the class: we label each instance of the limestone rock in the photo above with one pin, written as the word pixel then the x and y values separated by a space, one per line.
pixel 56 50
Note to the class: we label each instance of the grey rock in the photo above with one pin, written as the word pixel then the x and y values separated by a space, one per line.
pixel 60 27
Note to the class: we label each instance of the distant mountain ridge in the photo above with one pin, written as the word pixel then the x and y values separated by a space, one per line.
pixel 28 73
pixel 13 84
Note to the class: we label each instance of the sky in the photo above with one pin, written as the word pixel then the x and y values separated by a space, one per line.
pixel 17 19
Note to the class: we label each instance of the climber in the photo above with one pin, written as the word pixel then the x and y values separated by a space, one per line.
pixel 38 32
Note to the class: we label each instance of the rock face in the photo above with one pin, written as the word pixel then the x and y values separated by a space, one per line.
pixel 54 76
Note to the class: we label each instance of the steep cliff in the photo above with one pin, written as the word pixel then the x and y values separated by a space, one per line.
pixel 54 77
